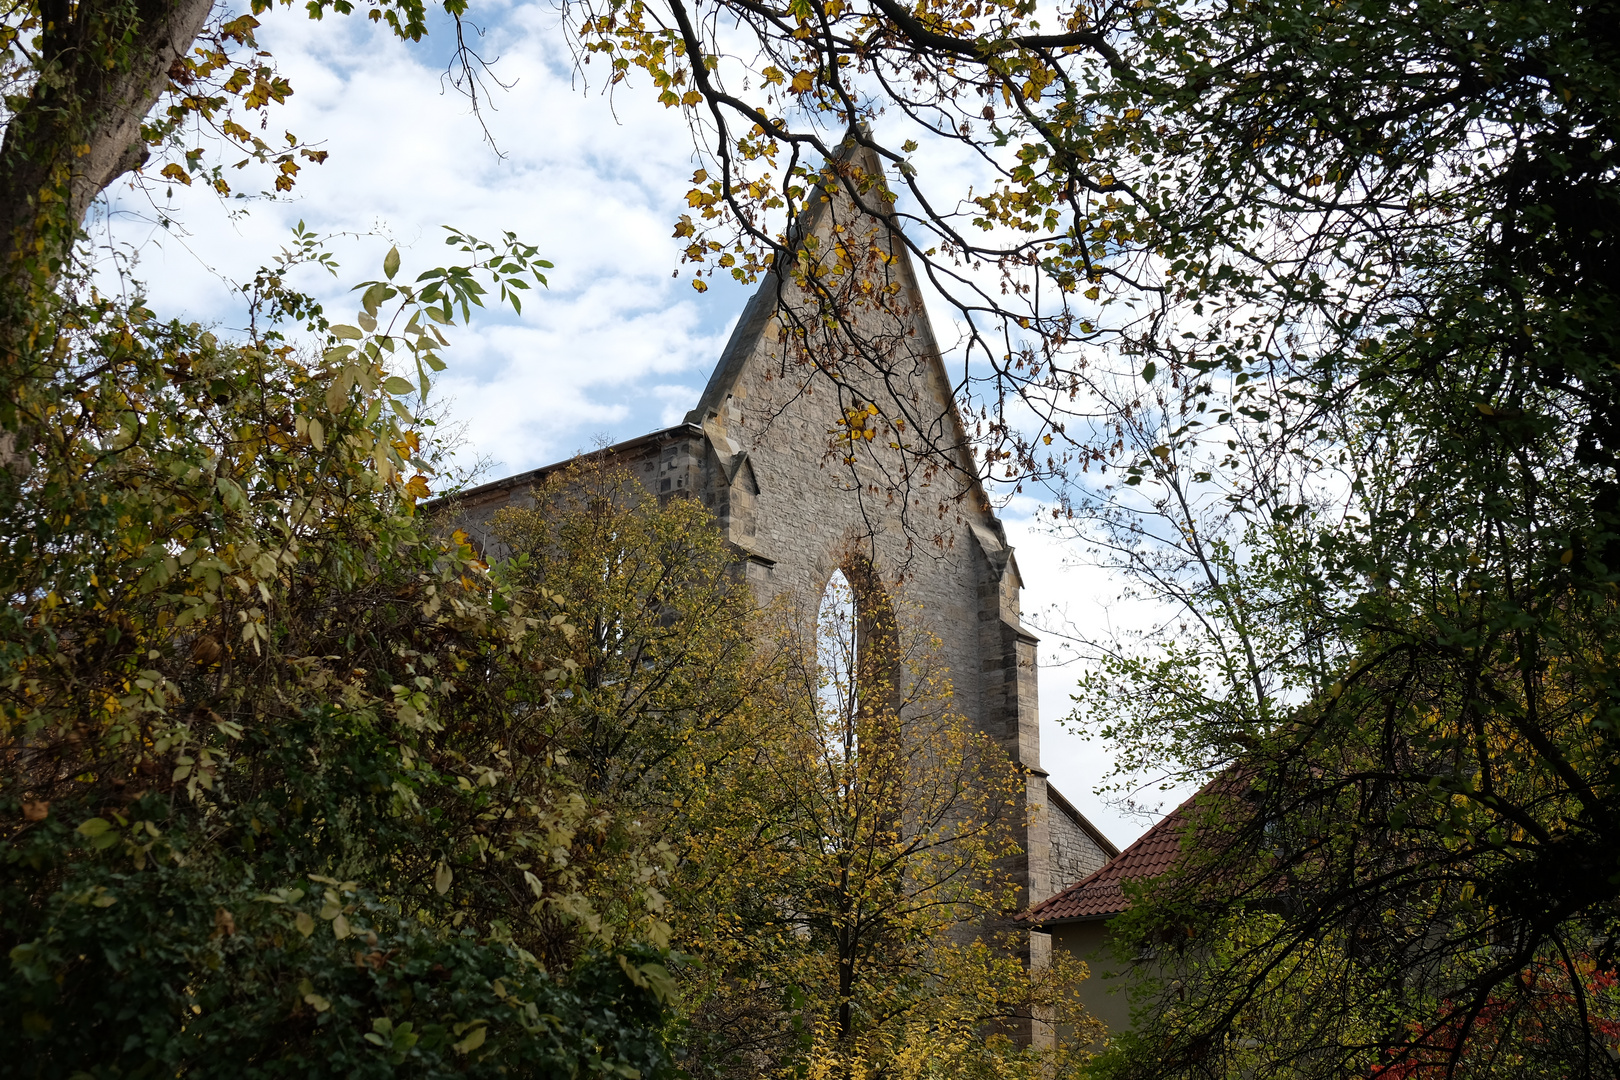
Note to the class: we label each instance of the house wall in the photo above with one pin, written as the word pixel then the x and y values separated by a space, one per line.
pixel 1105 993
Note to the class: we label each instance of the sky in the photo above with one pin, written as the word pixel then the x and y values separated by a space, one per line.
pixel 618 345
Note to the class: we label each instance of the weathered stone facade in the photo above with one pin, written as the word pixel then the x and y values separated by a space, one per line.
pixel 1078 848
pixel 799 499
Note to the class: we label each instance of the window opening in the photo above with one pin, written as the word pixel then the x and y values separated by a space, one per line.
pixel 838 662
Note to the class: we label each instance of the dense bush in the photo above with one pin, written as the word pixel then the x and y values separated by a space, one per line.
pixel 280 791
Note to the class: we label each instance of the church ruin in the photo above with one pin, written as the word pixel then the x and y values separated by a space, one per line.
pixel 820 440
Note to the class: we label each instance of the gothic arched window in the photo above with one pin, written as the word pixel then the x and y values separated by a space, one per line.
pixel 838 660
pixel 856 656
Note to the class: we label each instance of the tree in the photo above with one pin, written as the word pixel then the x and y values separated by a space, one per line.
pixel 1401 597
pixel 836 916
pixel 263 811
pixel 1418 853
pixel 1326 287
pixel 92 89
pixel 833 826
pixel 262 808
pixel 1349 353
pixel 653 684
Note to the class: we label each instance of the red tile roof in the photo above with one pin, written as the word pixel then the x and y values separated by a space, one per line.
pixel 1101 894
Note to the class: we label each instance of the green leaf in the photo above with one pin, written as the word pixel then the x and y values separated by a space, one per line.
pixel 660 981
pixel 376 296
pixel 100 833
pixel 94 827
pixel 396 385
pixel 391 263
pixel 1149 370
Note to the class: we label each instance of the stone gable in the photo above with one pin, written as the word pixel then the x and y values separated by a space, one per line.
pixel 769 449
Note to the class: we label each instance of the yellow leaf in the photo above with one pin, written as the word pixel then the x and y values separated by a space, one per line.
pixel 474 1039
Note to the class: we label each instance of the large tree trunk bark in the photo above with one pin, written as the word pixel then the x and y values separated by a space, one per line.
pixel 104 64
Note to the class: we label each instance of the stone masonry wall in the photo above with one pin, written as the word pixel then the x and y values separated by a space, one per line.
pixel 1075 855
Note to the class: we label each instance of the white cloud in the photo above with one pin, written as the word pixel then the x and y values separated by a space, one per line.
pixel 595 187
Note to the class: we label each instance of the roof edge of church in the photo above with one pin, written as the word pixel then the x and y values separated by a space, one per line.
pixel 758 311
pixel 1107 846
pixel 685 429
pixel 739 347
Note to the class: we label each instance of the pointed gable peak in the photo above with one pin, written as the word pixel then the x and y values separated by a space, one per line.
pixel 856 323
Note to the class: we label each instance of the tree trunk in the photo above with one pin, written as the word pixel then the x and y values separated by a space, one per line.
pixel 104 63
